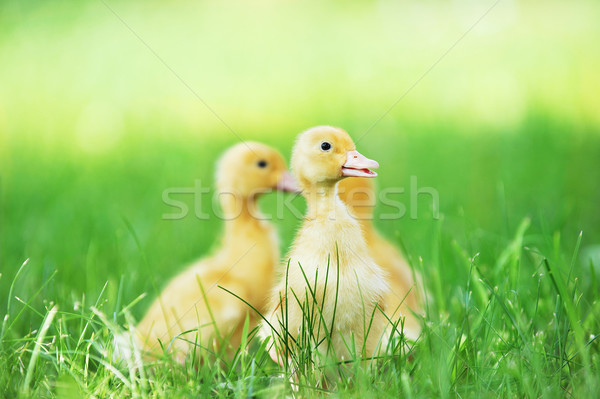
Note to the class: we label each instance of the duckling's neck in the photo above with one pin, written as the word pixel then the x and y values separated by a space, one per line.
pixel 368 229
pixel 323 202
pixel 243 221
pixel 248 235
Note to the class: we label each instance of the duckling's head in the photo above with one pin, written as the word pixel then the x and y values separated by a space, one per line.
pixel 359 194
pixel 250 168
pixel 323 155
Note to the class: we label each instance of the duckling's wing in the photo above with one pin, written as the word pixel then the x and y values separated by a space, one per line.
pixel 193 309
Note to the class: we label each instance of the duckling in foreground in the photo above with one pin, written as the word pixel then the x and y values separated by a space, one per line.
pixel 244 263
pixel 405 294
pixel 332 287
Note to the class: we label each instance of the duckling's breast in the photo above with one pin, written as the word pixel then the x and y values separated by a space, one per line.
pixel 322 240
pixel 333 254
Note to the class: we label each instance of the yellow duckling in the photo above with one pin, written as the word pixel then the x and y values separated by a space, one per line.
pixel 244 263
pixel 404 296
pixel 332 287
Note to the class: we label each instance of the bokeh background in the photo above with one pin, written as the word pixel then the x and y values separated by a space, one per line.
pixel 496 105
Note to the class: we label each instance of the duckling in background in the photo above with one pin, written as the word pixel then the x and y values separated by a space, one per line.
pixel 405 293
pixel 329 262
pixel 244 263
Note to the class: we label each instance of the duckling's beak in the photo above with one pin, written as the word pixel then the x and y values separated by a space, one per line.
pixel 358 165
pixel 287 183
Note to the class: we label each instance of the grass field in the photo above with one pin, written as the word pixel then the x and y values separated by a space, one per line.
pixel 101 110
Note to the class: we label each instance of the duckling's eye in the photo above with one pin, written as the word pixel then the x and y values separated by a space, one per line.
pixel 325 146
pixel 262 163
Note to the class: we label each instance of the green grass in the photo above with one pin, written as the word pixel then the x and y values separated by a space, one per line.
pixel 93 128
pixel 513 306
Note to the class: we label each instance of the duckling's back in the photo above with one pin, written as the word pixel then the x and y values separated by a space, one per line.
pixel 405 295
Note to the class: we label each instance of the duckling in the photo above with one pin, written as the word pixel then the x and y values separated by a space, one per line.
pixel 332 288
pixel 191 308
pixel 405 294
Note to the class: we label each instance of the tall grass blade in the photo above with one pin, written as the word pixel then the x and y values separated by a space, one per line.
pixel 9 300
pixel 38 346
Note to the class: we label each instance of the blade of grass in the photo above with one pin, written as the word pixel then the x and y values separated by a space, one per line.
pixel 38 346
pixel 569 306
pixel 9 299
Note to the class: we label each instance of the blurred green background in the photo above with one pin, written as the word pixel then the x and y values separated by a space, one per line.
pixel 98 117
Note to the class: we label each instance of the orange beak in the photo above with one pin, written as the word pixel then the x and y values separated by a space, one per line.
pixel 358 165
